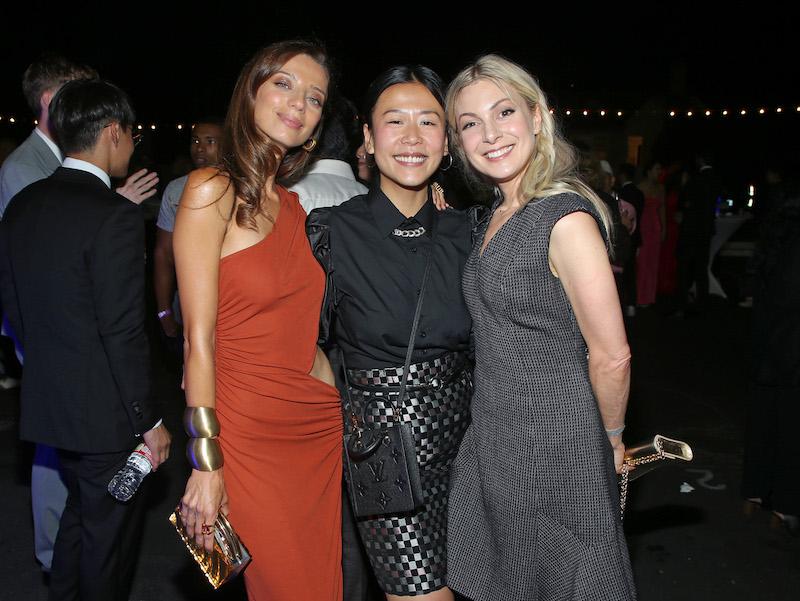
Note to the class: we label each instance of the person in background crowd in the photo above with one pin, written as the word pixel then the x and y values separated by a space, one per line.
pixel 652 228
pixel 376 248
pixel 362 163
pixel 72 281
pixel 698 210
pixel 251 293
pixel 674 180
pixel 330 181
pixel 534 505
pixel 205 150
pixel 630 193
pixel 35 159
pixel 771 462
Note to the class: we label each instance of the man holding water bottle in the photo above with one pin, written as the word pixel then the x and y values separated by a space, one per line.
pixel 72 281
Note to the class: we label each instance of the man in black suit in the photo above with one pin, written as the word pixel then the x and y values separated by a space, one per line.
pixel 630 192
pixel 698 207
pixel 72 277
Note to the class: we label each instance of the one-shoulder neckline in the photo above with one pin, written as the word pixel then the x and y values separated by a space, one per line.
pixel 282 192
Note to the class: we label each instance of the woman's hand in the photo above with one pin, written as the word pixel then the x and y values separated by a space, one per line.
pixel 204 498
pixel 619 451
pixel 437 194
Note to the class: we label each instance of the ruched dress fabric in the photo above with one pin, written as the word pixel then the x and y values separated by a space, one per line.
pixel 534 505
pixel 281 428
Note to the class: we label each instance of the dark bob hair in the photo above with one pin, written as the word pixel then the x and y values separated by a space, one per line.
pixel 251 157
pixel 402 74
pixel 82 108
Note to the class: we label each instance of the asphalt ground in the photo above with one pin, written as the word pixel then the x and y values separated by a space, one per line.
pixel 689 537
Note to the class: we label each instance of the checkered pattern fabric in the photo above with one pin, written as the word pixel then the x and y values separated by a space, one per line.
pixel 408 552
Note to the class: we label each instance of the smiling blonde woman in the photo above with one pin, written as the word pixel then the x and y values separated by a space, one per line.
pixel 534 508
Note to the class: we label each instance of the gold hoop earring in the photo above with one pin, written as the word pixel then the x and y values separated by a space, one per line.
pixel 310 145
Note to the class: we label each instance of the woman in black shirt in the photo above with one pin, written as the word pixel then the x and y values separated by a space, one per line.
pixel 375 248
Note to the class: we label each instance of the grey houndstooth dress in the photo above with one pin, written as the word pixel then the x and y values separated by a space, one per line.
pixel 534 505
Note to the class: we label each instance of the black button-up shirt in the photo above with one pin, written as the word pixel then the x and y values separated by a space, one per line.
pixel 375 278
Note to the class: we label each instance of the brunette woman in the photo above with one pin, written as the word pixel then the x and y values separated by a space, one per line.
pixel 250 296
pixel 376 247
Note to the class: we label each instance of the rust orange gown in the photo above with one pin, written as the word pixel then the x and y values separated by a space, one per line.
pixel 281 428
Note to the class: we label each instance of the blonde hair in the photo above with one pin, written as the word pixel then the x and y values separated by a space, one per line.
pixel 553 166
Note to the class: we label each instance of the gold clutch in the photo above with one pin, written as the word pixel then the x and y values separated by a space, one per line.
pixel 229 556
pixel 645 457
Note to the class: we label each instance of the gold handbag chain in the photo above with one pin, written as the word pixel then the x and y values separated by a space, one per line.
pixel 626 467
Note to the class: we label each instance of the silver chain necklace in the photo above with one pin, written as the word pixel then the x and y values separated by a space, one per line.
pixel 415 233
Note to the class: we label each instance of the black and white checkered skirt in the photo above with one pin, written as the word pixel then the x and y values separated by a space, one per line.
pixel 408 551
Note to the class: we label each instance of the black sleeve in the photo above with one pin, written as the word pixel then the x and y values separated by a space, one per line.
pixel 9 309
pixel 319 236
pixel 116 268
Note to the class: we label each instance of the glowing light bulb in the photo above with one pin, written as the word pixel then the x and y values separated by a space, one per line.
pixel 139 126
pixel 761 111
pixel 152 126
pixel 569 112
pixel 585 112
pixel 724 112
pixel 779 110
pixel 602 113
pixel 743 112
pixel 180 126
pixel 708 113
pixel 12 120
pixel 619 113
pixel 689 113
pixel 672 113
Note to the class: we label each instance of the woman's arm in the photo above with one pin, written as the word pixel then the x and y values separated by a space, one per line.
pixel 578 258
pixel 200 230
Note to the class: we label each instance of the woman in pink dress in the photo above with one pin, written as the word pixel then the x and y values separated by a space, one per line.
pixel 652 231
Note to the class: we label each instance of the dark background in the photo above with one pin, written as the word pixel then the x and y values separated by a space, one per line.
pixel 179 63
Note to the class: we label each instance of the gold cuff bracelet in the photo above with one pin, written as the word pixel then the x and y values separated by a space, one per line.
pixel 204 454
pixel 201 422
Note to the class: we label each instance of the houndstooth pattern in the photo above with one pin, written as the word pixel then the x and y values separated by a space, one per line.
pixel 534 506
pixel 408 552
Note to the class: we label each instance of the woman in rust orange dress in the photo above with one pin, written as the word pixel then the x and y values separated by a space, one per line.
pixel 251 292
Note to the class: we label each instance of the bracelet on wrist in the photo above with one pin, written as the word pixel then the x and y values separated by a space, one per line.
pixel 204 454
pixel 615 431
pixel 164 313
pixel 201 422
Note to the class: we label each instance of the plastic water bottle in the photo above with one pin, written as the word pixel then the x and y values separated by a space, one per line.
pixel 127 480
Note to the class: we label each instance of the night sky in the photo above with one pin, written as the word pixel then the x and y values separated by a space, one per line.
pixel 179 65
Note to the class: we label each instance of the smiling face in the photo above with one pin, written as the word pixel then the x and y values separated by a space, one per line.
pixel 497 131
pixel 289 103
pixel 407 137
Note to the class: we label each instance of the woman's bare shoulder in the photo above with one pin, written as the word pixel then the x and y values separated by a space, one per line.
pixel 208 186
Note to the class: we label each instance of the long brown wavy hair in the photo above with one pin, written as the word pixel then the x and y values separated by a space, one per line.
pixel 251 156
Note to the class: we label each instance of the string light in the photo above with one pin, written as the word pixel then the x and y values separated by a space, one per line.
pixel 672 113
pixel 139 126
pixel 153 127
pixel 689 113
pixel 779 110
pixel 761 111
pixel 725 112
pixel 602 113
pixel 12 120
pixel 708 113
pixel 569 112
pixel 743 112
pixel 180 126
pixel 619 113
pixel 585 112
